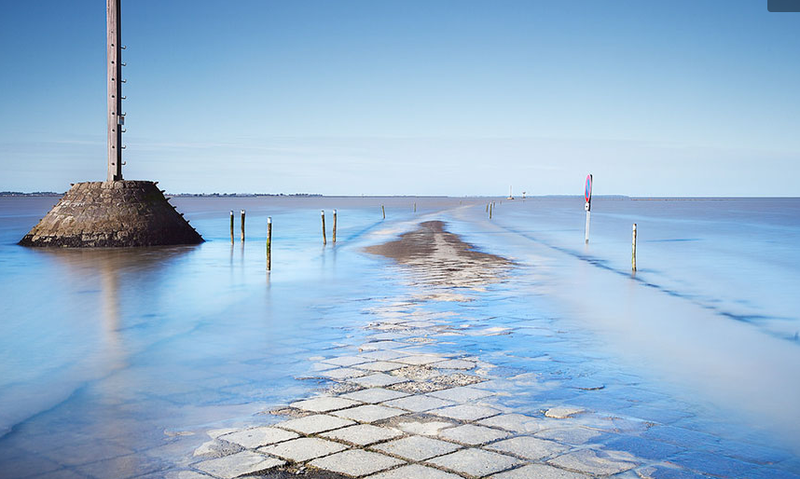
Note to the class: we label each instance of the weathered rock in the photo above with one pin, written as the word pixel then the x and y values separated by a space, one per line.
pixel 112 214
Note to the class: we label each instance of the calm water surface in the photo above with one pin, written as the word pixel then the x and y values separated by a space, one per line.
pixel 114 354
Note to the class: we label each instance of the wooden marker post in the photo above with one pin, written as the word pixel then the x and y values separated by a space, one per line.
pixel 334 226
pixel 383 211
pixel 588 206
pixel 231 226
pixel 415 207
pixel 633 250
pixel 116 119
pixel 487 207
pixel 324 239
pixel 242 225
pixel 491 207
pixel 269 243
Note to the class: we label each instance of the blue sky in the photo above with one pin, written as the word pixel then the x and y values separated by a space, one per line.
pixel 661 98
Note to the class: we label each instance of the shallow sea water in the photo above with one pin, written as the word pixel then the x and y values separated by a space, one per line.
pixel 120 360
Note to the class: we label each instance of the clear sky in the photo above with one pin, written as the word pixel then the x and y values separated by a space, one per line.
pixel 458 97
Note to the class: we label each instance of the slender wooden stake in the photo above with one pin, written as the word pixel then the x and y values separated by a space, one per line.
pixel 242 225
pixel 415 207
pixel 269 243
pixel 491 207
pixel 334 226
pixel 231 226
pixel 633 250
pixel 487 207
pixel 383 211
pixel 324 239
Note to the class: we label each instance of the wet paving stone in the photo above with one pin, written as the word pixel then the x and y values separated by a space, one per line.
pixel 462 394
pixel 472 435
pixel 369 413
pixel 258 436
pixel 303 449
pixel 529 447
pixel 466 412
pixel 414 471
pixel 315 424
pixel 538 471
pixel 591 462
pixel 417 448
pixel 356 463
pixel 245 462
pixel 363 434
pixel 475 462
pixel 513 422
pixel 377 380
pixel 374 395
pixel 324 404
pixel 419 403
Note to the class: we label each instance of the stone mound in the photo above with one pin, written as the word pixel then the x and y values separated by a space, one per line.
pixel 112 214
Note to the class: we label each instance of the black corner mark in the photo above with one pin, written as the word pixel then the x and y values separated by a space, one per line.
pixel 778 6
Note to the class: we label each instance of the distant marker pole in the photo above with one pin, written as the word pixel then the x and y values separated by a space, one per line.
pixel 334 226
pixel 383 211
pixel 242 225
pixel 588 205
pixel 324 239
pixel 232 227
pixel 487 207
pixel 415 207
pixel 269 243
pixel 633 249
pixel 491 207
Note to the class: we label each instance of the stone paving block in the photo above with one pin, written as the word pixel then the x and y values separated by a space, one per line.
pixel 513 422
pixel 374 395
pixel 342 373
pixel 529 447
pixel 462 394
pixel 369 413
pixel 563 412
pixel 380 366
pixel 425 428
pixel 363 434
pixel 456 364
pixel 315 424
pixel 383 355
pixel 346 360
pixel 473 435
pixel 475 462
pixel 303 449
pixel 414 471
pixel 419 403
pixel 591 462
pixel 356 462
pixel 324 404
pixel 417 448
pixel 420 359
pixel 377 380
pixel 239 464
pixel 258 436
pixel 466 412
pixel 538 471
pixel 570 435
pixel 382 345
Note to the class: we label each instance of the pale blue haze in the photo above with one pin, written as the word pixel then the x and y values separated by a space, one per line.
pixel 687 98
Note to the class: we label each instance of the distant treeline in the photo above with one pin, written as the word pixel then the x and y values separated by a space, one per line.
pixel 240 195
pixel 35 193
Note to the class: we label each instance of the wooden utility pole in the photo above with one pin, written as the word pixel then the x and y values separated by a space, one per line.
pixel 116 120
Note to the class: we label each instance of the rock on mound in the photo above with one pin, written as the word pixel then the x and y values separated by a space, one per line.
pixel 112 214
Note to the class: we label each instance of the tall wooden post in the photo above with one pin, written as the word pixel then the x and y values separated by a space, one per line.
pixel 324 239
pixel 115 118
